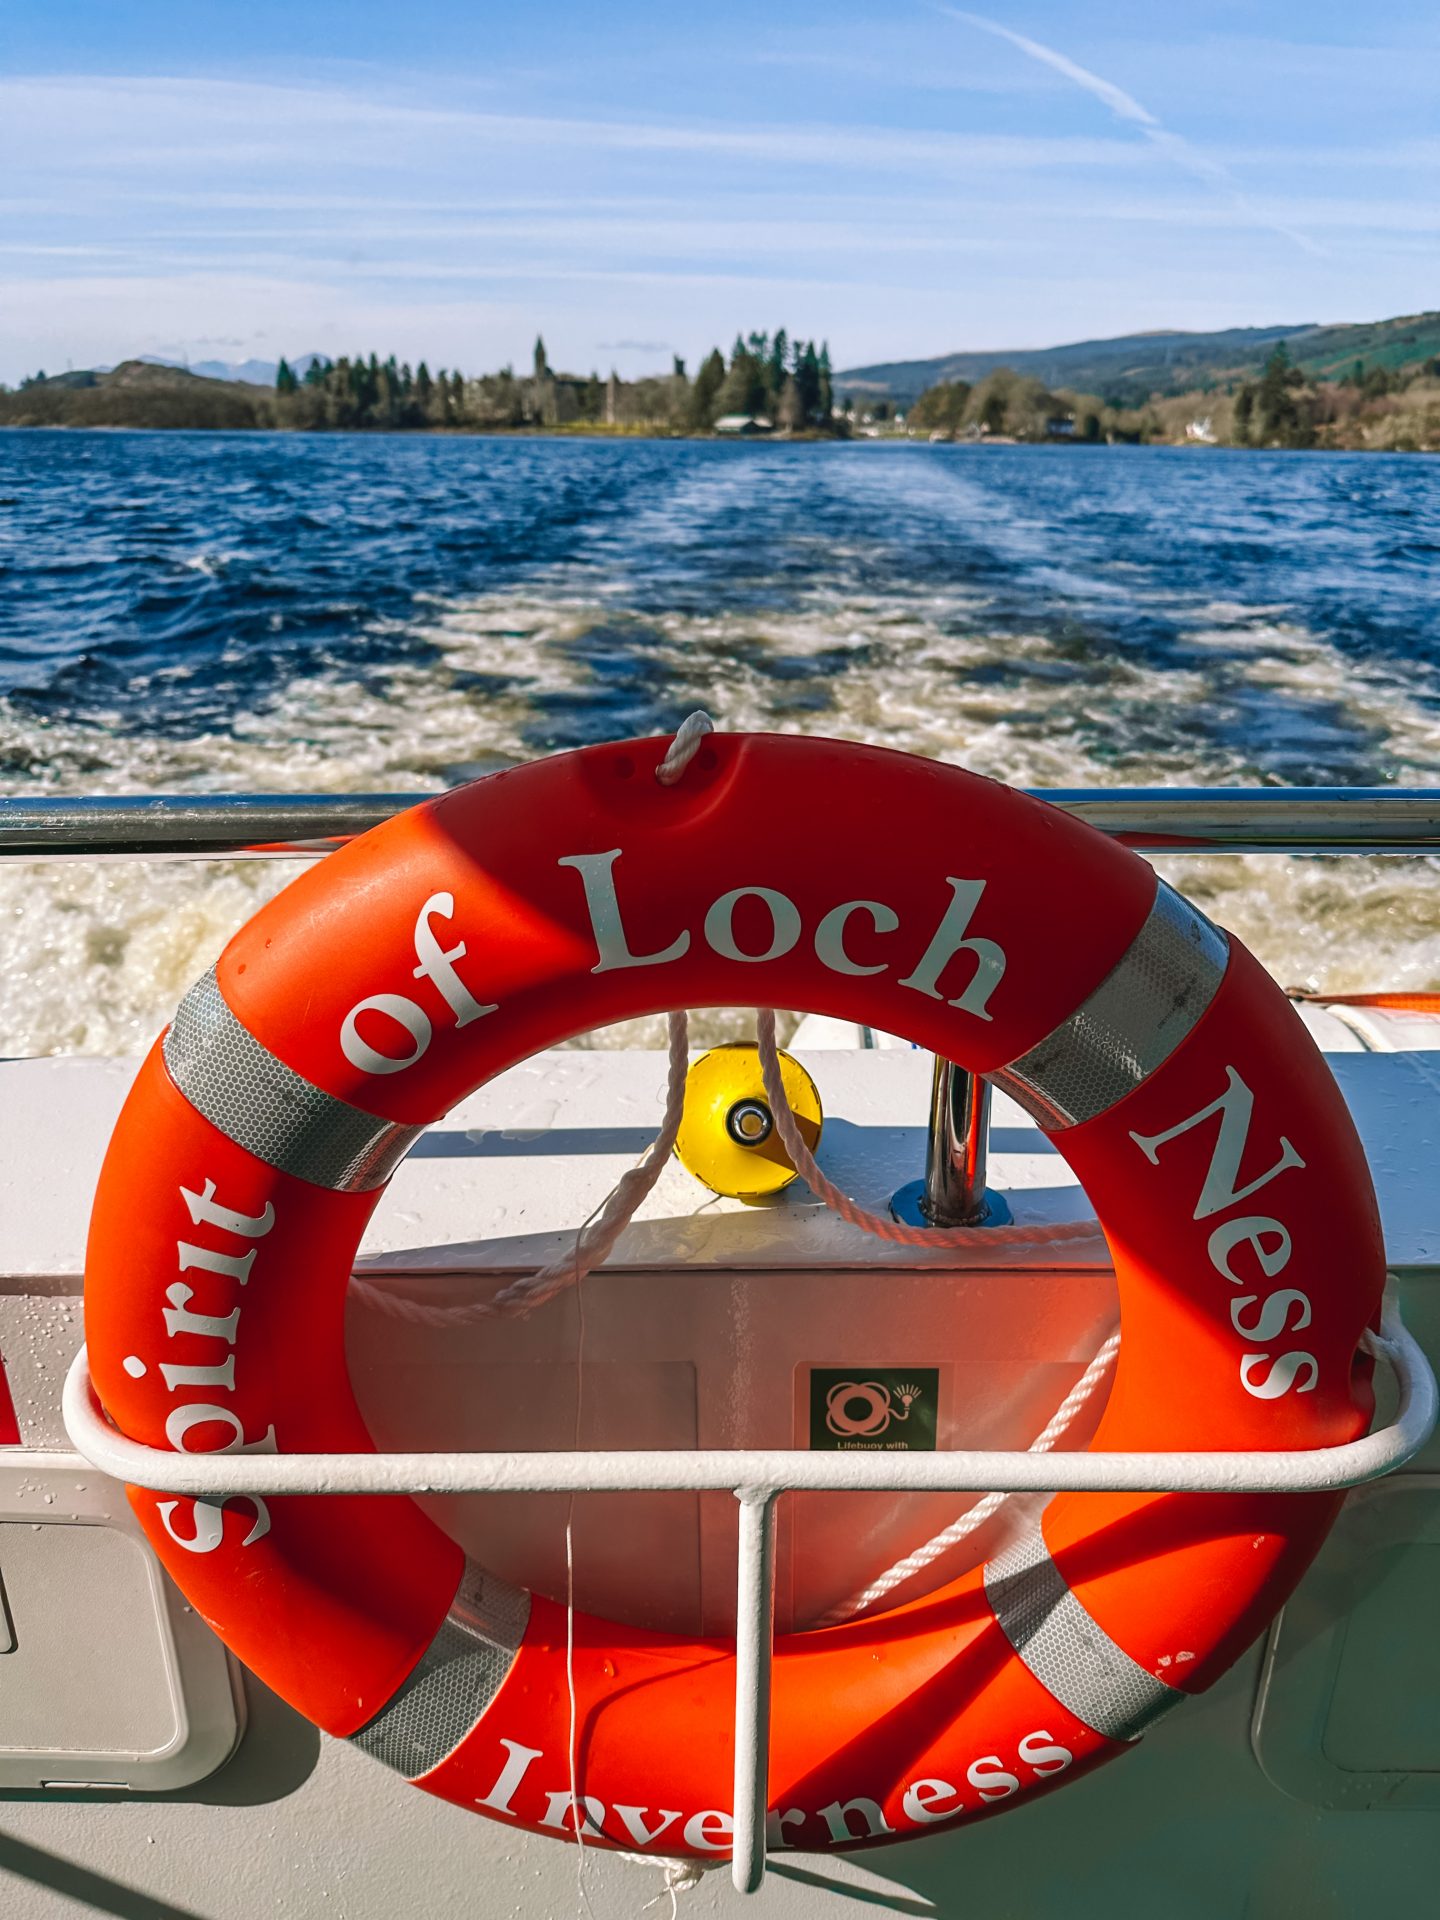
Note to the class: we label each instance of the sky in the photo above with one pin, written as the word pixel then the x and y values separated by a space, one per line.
pixel 444 178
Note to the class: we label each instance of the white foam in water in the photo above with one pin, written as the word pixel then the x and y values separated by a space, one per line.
pixel 93 957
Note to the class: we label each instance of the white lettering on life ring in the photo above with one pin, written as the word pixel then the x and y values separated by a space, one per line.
pixel 784 924
pixel 1268 1237
pixel 394 1006
pixel 433 963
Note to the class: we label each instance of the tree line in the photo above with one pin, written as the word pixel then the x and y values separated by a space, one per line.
pixel 1284 406
pixel 1012 406
pixel 360 392
pixel 771 377
pixel 785 382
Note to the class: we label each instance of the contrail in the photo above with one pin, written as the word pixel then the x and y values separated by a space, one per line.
pixel 1126 107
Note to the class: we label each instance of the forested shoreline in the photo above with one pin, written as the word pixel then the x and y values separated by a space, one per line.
pixel 1375 409
pixel 771 386
pixel 769 378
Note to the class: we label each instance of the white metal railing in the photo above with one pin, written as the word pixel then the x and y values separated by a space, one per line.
pixel 756 1479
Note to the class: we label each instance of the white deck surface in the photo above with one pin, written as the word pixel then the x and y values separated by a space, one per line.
pixel 499 1184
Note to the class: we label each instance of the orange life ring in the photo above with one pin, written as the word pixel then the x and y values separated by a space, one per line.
pixel 383 985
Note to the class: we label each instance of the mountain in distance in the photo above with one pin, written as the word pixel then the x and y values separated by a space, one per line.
pixel 1136 366
pixel 137 393
pixel 250 373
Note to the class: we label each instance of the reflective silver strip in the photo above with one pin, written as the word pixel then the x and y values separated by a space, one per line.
pixel 1132 1022
pixel 455 1679
pixel 273 1112
pixel 1069 1653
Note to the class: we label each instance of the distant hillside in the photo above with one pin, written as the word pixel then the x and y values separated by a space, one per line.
pixel 253 373
pixel 137 394
pixel 1137 366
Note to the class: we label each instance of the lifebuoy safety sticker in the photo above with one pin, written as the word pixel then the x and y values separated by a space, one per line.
pixel 865 1409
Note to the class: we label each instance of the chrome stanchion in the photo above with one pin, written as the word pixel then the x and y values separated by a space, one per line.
pixel 953 1192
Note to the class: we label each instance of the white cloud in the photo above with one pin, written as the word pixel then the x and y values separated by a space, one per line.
pixel 143 122
pixel 1127 108
pixel 142 212
pixel 1123 105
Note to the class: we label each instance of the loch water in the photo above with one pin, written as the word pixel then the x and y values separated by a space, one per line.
pixel 185 612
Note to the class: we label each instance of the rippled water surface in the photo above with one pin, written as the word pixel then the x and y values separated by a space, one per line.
pixel 283 613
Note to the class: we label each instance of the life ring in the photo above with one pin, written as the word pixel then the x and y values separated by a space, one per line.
pixel 462 936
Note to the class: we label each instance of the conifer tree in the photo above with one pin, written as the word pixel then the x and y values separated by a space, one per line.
pixel 807 379
pixel 1279 415
pixel 744 389
pixel 708 382
pixel 791 409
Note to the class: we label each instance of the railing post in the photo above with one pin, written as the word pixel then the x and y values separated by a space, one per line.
pixel 754 1644
pixel 953 1192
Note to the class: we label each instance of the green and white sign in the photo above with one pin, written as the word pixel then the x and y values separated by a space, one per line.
pixel 874 1409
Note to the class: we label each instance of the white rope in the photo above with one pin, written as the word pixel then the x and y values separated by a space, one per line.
pixel 684 747
pixel 596 1239
pixel 1371 1342
pixel 971 1522
pixel 885 1228
pixel 594 1242
pixel 880 1224
pixel 681 1876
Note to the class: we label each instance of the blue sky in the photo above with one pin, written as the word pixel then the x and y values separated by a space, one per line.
pixel 443 179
